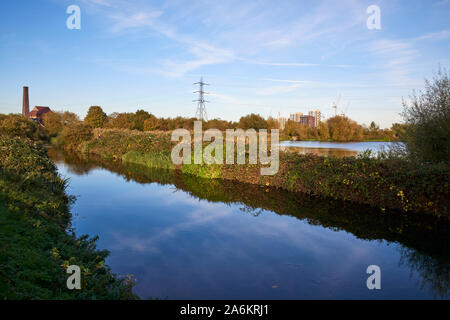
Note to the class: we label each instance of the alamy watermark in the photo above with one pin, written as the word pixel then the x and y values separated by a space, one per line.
pixel 213 153
pixel 74 281
pixel 374 281
pixel 74 20
pixel 374 20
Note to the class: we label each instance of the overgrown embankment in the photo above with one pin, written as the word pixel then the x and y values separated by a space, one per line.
pixel 393 184
pixel 36 245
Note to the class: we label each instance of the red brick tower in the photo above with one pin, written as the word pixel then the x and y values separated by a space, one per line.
pixel 25 103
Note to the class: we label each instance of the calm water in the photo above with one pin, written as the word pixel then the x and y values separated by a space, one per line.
pixel 338 149
pixel 188 238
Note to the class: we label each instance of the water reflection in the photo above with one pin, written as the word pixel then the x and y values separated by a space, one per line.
pixel 336 149
pixel 327 152
pixel 186 237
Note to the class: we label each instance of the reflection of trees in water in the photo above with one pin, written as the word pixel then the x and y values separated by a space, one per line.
pixel 253 211
pixel 335 152
pixel 434 273
pixel 76 164
pixel 424 239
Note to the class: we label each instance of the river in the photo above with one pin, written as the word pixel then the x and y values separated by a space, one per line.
pixel 189 238
pixel 337 149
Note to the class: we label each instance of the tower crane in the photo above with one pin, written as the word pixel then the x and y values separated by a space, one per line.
pixel 344 113
pixel 336 104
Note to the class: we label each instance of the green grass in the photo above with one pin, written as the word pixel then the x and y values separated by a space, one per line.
pixel 149 159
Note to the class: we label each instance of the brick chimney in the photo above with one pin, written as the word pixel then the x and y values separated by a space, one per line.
pixel 25 103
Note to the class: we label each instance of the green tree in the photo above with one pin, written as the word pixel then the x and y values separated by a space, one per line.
pixel 272 123
pixel 252 121
pixel 295 129
pixel 151 124
pixel 344 129
pixel 219 124
pixel 139 118
pixel 95 117
pixel 313 133
pixel 427 115
pixel 74 134
pixel 324 132
pixel 374 127
pixel 54 122
pixel 68 118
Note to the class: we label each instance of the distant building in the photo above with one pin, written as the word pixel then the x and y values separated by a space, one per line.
pixel 317 115
pixel 296 116
pixel 310 121
pixel 37 113
pixel 282 122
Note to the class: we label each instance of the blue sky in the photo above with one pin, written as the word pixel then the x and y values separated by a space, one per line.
pixel 259 56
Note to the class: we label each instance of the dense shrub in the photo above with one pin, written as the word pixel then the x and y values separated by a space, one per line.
pixel 35 248
pixel 120 121
pixel 374 132
pixel 74 134
pixel 115 143
pixel 29 180
pixel 17 125
pixel 152 123
pixel 54 122
pixel 295 129
pixel 427 115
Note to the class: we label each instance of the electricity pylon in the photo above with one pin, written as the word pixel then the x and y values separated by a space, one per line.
pixel 200 114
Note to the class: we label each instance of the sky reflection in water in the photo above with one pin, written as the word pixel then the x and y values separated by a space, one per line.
pixel 182 247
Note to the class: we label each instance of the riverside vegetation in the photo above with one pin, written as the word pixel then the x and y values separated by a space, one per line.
pixel 36 241
pixel 412 178
pixel 384 183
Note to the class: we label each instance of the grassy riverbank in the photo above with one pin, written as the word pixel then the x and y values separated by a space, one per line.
pixel 36 243
pixel 394 184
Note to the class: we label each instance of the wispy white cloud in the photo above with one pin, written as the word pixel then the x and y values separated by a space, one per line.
pixel 440 35
pixel 295 64
pixel 246 24
pixel 199 216
pixel 325 20
pixel 202 53
pixel 396 56
pixel 124 22
pixel 101 3
pixel 322 84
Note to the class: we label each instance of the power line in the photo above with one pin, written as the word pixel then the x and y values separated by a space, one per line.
pixel 201 107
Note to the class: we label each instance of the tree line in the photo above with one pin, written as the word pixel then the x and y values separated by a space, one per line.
pixel 338 128
pixel 425 131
